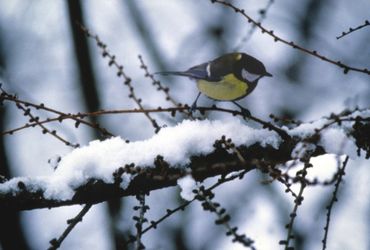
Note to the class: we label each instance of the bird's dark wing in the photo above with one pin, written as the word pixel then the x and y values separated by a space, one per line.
pixel 201 71
pixel 223 65
pixel 198 71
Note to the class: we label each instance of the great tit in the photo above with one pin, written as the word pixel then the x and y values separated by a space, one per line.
pixel 229 77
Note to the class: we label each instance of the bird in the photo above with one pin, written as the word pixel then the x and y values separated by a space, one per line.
pixel 229 77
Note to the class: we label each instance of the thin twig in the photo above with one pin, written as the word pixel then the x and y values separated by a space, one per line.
pixel 297 202
pixel 140 220
pixel 120 73
pixel 332 201
pixel 160 87
pixel 344 33
pixel 55 243
pixel 78 118
pixel 267 125
pixel 276 38
pixel 169 212
pixel 223 218
pixel 262 16
pixel 45 130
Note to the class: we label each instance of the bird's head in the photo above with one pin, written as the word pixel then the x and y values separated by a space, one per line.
pixel 249 68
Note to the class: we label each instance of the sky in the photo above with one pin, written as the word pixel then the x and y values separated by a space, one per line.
pixel 38 50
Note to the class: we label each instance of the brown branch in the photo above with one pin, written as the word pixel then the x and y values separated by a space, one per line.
pixel 297 202
pixel 55 243
pixel 265 124
pixel 333 200
pixel 120 73
pixel 344 33
pixel 205 197
pixel 276 38
pixel 78 118
pixel 160 87
pixel 45 130
pixel 147 179
pixel 262 16
pixel 220 181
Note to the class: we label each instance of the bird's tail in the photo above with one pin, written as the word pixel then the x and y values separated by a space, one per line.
pixel 176 73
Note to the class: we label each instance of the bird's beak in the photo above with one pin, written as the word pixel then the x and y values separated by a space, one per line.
pixel 268 74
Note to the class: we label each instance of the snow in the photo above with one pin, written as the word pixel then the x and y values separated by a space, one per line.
pixel 100 159
pixel 187 185
pixel 301 149
pixel 334 139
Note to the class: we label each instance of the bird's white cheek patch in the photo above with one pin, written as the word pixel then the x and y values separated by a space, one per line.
pixel 249 76
pixel 208 68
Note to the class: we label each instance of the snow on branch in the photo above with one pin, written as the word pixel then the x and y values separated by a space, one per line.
pixel 114 167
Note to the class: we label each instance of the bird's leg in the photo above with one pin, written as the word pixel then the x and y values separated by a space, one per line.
pixel 194 105
pixel 244 111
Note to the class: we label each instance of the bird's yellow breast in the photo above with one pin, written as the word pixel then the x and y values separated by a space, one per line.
pixel 228 89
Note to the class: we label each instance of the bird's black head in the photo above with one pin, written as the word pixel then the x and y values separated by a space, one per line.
pixel 253 65
pixel 249 68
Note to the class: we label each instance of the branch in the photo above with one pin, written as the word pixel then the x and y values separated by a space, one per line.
pixel 257 148
pixel 262 16
pixel 219 162
pixel 55 243
pixel 120 73
pixel 35 121
pixel 346 68
pixel 344 33
pixel 334 199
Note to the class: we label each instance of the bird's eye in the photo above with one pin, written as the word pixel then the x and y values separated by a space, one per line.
pixel 250 77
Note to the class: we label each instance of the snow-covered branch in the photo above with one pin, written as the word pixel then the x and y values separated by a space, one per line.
pixel 114 167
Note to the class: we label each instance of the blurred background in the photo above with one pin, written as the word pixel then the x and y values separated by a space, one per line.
pixel 45 58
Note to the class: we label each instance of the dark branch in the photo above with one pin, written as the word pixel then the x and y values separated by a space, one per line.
pixel 55 243
pixel 346 68
pixel 344 33
pixel 219 162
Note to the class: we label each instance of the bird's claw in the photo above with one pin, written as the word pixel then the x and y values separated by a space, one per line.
pixel 192 108
pixel 245 112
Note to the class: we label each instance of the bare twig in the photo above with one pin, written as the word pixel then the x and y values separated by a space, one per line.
pixel 265 124
pixel 78 118
pixel 344 33
pixel 332 201
pixel 223 218
pixel 55 243
pixel 159 85
pixel 262 16
pixel 140 220
pixel 301 175
pixel 44 130
pixel 169 212
pixel 120 73
pixel 346 68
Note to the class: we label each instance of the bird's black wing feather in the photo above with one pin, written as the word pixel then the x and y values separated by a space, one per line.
pixel 197 72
